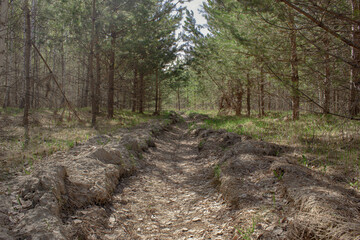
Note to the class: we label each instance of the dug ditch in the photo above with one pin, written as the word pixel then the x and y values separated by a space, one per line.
pixel 172 197
pixel 164 181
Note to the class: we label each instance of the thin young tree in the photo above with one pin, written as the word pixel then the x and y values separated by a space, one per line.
pixel 27 56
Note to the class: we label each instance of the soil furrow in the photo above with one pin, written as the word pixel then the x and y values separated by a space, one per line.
pixel 172 197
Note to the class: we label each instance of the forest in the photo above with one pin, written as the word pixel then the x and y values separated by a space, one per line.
pixel 286 56
pixel 269 86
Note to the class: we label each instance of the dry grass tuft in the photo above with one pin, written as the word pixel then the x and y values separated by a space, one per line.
pixel 51 132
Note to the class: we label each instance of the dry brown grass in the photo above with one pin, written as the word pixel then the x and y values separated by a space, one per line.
pixel 326 144
pixel 51 132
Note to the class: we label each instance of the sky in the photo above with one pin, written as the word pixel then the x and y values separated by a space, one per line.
pixel 195 6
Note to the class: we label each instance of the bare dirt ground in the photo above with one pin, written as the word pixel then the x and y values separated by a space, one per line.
pixel 162 181
pixel 206 184
pixel 173 197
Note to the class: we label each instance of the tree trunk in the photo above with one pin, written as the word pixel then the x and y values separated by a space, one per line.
pixel 98 72
pixel 111 77
pixel 238 108
pixel 87 80
pixel 124 96
pixel 62 57
pixel 354 108
pixel 160 98
pixel 178 98
pixel 239 96
pixel 36 90
pixel 327 82
pixel 98 81
pixel 91 63
pixel 35 98
pixel 4 5
pixel 262 94
pixel 248 95
pixel 78 83
pixel 335 101
pixel 16 90
pixel 27 55
pixel 156 92
pixel 135 90
pixel 294 68
pixel 141 93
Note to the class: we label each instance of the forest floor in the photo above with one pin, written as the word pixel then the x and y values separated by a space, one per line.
pixel 178 181
pixel 210 184
pixel 52 131
pixel 173 197
pixel 324 143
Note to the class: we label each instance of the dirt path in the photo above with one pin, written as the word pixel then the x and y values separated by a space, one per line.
pixel 173 197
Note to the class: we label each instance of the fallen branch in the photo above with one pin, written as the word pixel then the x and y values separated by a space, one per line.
pixel 57 83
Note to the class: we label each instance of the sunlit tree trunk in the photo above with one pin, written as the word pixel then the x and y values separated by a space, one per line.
pixel 294 68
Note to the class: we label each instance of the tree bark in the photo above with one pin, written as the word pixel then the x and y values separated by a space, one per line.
pixel 91 63
pixel 86 86
pixel 178 98
pixel 294 68
pixel 160 98
pixel 3 49
pixel 98 81
pixel 35 82
pixel 27 55
pixel 327 82
pixel 354 108
pixel 98 72
pixel 262 94
pixel 62 57
pixel 135 90
pixel 239 97
pixel 156 92
pixel 85 96
pixel 248 95
pixel 141 93
pixel 111 77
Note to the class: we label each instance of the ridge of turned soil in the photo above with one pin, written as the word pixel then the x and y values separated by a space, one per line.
pixel 49 202
pixel 164 181
pixel 206 184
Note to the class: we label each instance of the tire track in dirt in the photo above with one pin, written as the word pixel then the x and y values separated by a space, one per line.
pixel 172 197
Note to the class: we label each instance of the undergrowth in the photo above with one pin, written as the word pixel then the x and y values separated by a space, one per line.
pixel 52 131
pixel 322 142
pixel 246 233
